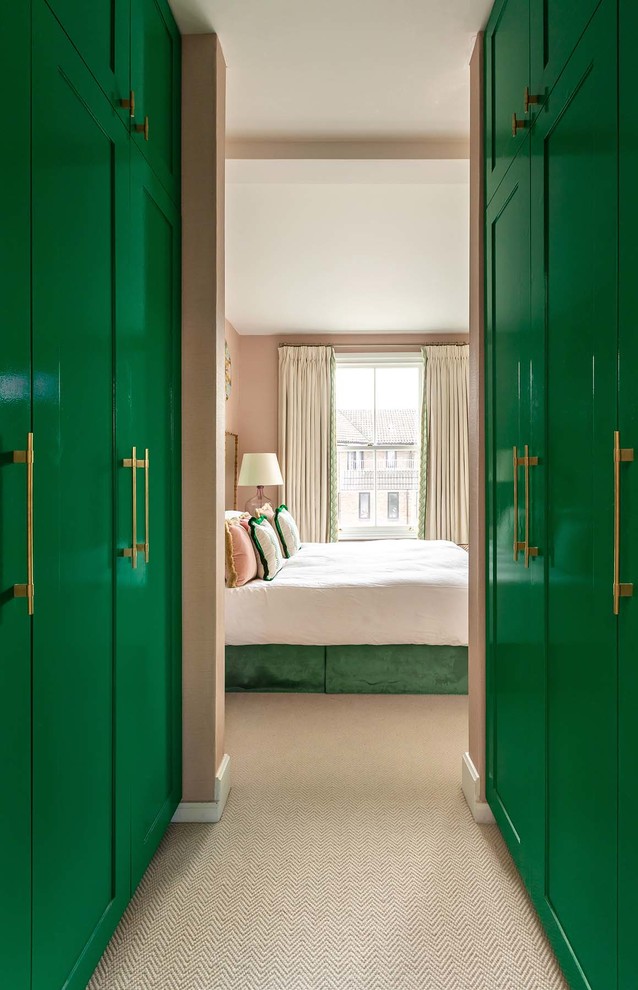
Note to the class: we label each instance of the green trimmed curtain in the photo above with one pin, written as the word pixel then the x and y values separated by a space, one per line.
pixel 444 479
pixel 307 439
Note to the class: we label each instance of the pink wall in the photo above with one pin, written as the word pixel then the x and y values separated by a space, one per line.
pixel 477 439
pixel 203 163
pixel 258 374
pixel 232 404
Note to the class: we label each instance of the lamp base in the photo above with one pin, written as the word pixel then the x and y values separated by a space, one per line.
pixel 258 502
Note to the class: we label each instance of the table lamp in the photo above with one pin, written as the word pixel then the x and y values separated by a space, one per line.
pixel 259 470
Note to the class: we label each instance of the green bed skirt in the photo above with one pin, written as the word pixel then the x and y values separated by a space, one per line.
pixel 347 669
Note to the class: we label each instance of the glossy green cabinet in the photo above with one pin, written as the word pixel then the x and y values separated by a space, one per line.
pixel 506 77
pixel 80 793
pixel 628 427
pixel 556 27
pixel 15 424
pixel 150 594
pixel 133 50
pixel 527 44
pixel 575 249
pixel 155 80
pixel 90 739
pixel 102 39
pixel 514 354
pixel 573 834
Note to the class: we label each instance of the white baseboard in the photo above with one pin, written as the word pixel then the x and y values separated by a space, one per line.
pixel 208 811
pixel 471 784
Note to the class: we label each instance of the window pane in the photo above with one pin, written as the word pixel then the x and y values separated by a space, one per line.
pixel 356 488
pixel 378 487
pixel 355 405
pixel 397 489
pixel 398 401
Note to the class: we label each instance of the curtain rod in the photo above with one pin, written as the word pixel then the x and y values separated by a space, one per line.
pixel 374 347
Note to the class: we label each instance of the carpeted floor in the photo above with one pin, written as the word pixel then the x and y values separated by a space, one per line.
pixel 346 860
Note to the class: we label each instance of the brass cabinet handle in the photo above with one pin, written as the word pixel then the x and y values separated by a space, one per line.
pixel 145 547
pixel 518 546
pixel 621 455
pixel 133 463
pixel 517 125
pixel 129 104
pixel 142 128
pixel 27 590
pixel 530 99
pixel 528 463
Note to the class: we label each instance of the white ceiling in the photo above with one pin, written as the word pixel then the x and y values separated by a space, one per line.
pixel 342 68
pixel 343 247
pixel 353 244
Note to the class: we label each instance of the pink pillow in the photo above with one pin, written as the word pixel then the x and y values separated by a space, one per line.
pixel 241 560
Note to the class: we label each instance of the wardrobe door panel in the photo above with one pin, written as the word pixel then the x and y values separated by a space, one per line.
pixel 575 190
pixel 155 77
pixel 101 34
pixel 506 76
pixel 150 638
pixel 556 27
pixel 515 634
pixel 80 816
pixel 15 424
pixel 628 426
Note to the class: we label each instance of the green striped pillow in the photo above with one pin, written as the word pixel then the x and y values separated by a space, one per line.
pixel 269 556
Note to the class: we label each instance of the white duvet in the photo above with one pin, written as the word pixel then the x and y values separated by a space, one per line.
pixel 370 592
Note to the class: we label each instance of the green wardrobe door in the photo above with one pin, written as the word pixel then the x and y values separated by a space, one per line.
pixel 574 236
pixel 506 76
pixel 515 614
pixel 100 32
pixel 628 425
pixel 556 27
pixel 15 424
pixel 156 79
pixel 150 595
pixel 80 816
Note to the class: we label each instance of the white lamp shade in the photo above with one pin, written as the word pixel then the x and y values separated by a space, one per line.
pixel 260 469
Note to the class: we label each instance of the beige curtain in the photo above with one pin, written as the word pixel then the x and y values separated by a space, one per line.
pixel 445 444
pixel 307 449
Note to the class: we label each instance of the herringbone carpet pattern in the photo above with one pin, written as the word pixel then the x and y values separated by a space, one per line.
pixel 346 860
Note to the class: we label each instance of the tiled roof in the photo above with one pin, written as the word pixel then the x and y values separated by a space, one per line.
pixel 356 426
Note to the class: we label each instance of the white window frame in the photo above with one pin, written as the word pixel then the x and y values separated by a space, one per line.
pixel 397 359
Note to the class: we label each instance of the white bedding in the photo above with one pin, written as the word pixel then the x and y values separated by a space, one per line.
pixel 370 592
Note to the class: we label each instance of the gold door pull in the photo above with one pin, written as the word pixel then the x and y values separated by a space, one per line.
pixel 518 546
pixel 530 100
pixel 129 104
pixel 145 547
pixel 621 455
pixel 142 128
pixel 517 125
pixel 528 462
pixel 27 590
pixel 133 463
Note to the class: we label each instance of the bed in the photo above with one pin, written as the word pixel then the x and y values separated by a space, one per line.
pixel 383 616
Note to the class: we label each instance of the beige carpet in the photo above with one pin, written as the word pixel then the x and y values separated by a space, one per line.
pixel 346 860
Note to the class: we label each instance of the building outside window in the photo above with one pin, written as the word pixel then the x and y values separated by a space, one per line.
pixel 393 505
pixel 378 399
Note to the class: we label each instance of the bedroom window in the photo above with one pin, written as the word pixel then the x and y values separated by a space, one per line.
pixel 364 505
pixel 378 399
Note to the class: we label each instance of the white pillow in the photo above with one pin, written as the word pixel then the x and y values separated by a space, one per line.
pixel 287 531
pixel 269 556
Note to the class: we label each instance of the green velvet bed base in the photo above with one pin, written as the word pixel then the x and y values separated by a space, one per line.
pixel 347 669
